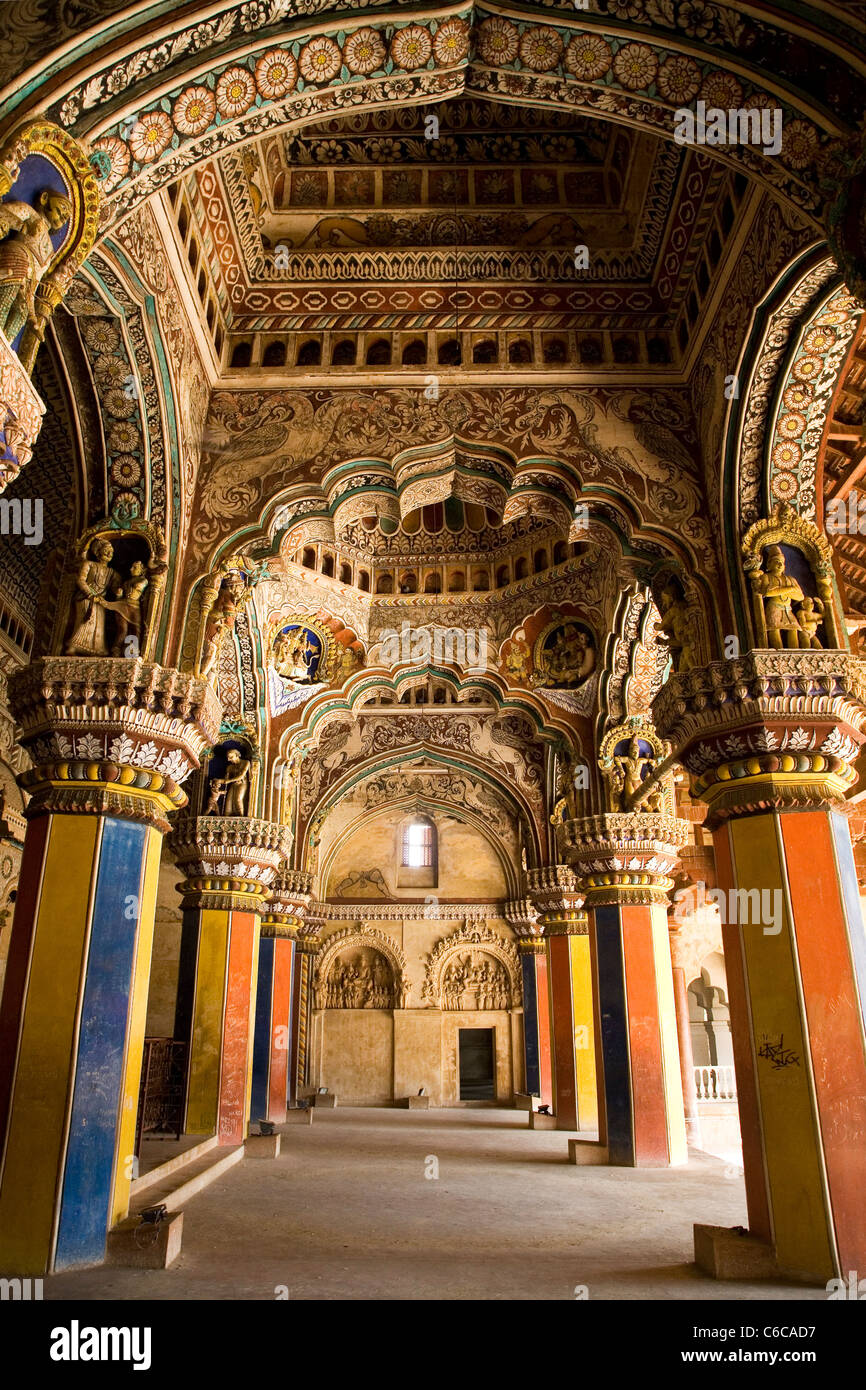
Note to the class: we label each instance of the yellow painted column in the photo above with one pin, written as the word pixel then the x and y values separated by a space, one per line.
pixel 73 1011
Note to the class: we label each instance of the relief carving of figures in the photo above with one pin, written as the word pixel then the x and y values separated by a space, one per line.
pixel 221 600
pixel 109 603
pixel 679 629
pixel 26 251
pixel 564 656
pixel 786 559
pixel 628 757
pixel 363 980
pixel 475 981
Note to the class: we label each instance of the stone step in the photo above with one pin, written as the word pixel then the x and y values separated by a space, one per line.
pixel 171 1165
pixel 174 1186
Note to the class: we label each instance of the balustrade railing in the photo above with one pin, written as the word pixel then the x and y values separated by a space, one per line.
pixel 715 1083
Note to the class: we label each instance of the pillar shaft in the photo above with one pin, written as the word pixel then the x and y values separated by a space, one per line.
pixel 623 862
pixel 229 862
pixel 770 740
pixel 536 1019
pixel 687 1059
pixel 72 1020
pixel 272 1039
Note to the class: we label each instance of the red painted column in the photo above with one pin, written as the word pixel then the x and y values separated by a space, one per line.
pixel 545 1055
pixel 770 741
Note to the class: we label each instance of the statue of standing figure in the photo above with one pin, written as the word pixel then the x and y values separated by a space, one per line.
pixel 778 591
pixel 96 578
pixel 220 619
pixel 25 254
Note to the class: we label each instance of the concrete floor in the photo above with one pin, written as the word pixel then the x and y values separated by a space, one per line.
pixel 347 1213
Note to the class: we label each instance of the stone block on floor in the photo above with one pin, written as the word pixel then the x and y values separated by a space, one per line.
pixel 416 1103
pixel 538 1121
pixel 326 1102
pixel 587 1151
pixel 522 1101
pixel 141 1244
pixel 262 1146
pixel 299 1117
pixel 726 1252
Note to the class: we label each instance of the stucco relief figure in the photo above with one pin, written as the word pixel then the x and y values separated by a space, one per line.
pixel 778 592
pixel 126 607
pixel 678 629
pixel 292 651
pixel 237 784
pixel 475 983
pixel 518 662
pixel 25 254
pixel 220 619
pixel 363 983
pixel 810 616
pixel 566 659
pixel 96 579
pixel 625 777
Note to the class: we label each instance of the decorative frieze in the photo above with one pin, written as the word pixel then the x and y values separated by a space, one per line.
pixel 457 966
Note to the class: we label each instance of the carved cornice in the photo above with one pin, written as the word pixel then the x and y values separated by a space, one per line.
pixel 110 736
pixel 625 857
pixel 771 729
pixel 288 898
pixel 530 946
pixel 227 857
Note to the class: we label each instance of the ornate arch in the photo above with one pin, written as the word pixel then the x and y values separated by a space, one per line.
pixel 471 936
pixel 352 937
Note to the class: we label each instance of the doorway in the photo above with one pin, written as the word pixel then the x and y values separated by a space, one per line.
pixel 477 1061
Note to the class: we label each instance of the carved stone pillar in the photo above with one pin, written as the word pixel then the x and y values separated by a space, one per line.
pixel 229 863
pixel 770 740
pixel 308 941
pixel 111 741
pixel 287 903
pixel 522 916
pixel 624 862
pixel 565 928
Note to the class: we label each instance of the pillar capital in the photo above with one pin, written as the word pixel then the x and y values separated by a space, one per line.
pixel 625 857
pixel 768 730
pixel 288 898
pixel 558 896
pixel 310 933
pixel 229 862
pixel 530 946
pixel 521 916
pixel 110 735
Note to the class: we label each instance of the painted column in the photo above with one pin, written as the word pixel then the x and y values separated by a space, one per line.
pixel 522 916
pixel 687 1059
pixel 306 946
pixel 229 862
pixel 110 740
pixel 770 740
pixel 536 1019
pixel 565 930
pixel 272 1042
pixel 641 1114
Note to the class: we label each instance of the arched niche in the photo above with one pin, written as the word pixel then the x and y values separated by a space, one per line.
pixel 369 952
pixel 471 964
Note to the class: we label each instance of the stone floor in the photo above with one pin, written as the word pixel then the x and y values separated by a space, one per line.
pixel 348 1212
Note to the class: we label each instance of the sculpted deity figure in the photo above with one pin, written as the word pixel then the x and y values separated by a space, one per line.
pixel 95 580
pixel 810 616
pixel 291 652
pixel 25 253
pixel 678 629
pixel 518 662
pixel 237 784
pixel 126 607
pixel 624 775
pixel 778 592
pixel 220 619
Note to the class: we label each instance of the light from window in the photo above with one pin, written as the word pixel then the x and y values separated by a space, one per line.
pixel 418 845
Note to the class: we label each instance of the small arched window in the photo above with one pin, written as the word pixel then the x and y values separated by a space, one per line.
pixel 418 845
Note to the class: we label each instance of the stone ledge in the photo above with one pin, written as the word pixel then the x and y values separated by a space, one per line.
pixel 138 1244
pixel 726 1252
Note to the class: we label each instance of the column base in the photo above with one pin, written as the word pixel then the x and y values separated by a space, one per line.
pixel 730 1252
pixel 262 1146
pixel 539 1121
pixel 588 1152
pixel 137 1244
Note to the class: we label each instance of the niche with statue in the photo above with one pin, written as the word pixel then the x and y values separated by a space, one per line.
pixel 790 569
pixel 229 778
pixel 111 594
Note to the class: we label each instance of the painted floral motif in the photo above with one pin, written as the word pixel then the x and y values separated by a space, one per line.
pixel 540 49
pixel 797 396
pixel 194 110
pixel 451 41
pixel 364 52
pixel 588 57
pixel 411 47
pixel 679 79
pixel 635 66
pixel 497 41
pixel 101 336
pixel 122 438
pixel 235 92
pixel 807 368
pixel 787 454
pixel 697 19
pixel 111 370
pixel 320 60
pixel 120 404
pixel 126 470
pixel 784 486
pixel 150 135
pixel 117 155
pixel 792 425
pixel 276 73
pixel 721 89
pixel 819 340
pixel 799 144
